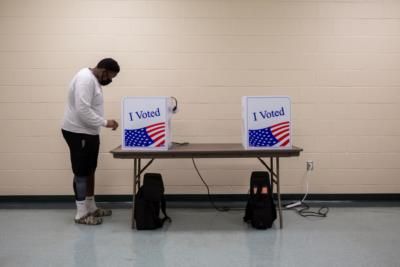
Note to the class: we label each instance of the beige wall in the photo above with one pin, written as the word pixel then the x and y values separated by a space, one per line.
pixel 339 61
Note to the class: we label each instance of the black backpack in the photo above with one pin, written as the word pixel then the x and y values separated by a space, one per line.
pixel 148 202
pixel 260 208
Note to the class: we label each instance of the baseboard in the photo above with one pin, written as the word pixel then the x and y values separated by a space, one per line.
pixel 395 197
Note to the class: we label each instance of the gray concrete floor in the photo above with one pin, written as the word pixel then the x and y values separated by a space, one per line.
pixel 349 236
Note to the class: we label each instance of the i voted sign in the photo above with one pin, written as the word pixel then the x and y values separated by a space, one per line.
pixel 146 123
pixel 266 122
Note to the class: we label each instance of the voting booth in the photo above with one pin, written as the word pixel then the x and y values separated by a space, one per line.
pixel 266 122
pixel 146 123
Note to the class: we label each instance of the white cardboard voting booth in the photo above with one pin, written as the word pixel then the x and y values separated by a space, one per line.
pixel 266 122
pixel 146 123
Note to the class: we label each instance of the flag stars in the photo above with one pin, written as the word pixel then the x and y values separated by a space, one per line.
pixel 262 137
pixel 275 135
pixel 144 137
pixel 138 137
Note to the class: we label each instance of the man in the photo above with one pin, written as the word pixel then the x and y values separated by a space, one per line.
pixel 83 118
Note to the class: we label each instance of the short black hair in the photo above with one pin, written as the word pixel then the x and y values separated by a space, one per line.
pixel 108 64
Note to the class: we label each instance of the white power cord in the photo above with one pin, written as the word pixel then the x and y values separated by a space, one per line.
pixel 304 209
pixel 298 203
pixel 307 185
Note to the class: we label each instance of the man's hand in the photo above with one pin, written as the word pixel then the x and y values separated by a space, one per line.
pixel 112 124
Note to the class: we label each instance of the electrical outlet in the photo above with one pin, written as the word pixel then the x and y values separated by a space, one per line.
pixel 310 165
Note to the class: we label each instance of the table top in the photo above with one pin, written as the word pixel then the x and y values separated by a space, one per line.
pixel 216 150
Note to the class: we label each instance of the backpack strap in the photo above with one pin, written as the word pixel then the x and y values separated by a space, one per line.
pixel 164 211
pixel 259 187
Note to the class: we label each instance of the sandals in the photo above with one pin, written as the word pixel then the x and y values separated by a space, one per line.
pixel 89 220
pixel 101 212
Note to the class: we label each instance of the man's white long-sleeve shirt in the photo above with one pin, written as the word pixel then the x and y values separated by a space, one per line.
pixel 85 108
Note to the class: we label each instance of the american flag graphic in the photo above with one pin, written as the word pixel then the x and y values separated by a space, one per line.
pixel 275 135
pixel 149 136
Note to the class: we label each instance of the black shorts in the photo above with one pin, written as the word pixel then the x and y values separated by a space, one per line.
pixel 84 151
